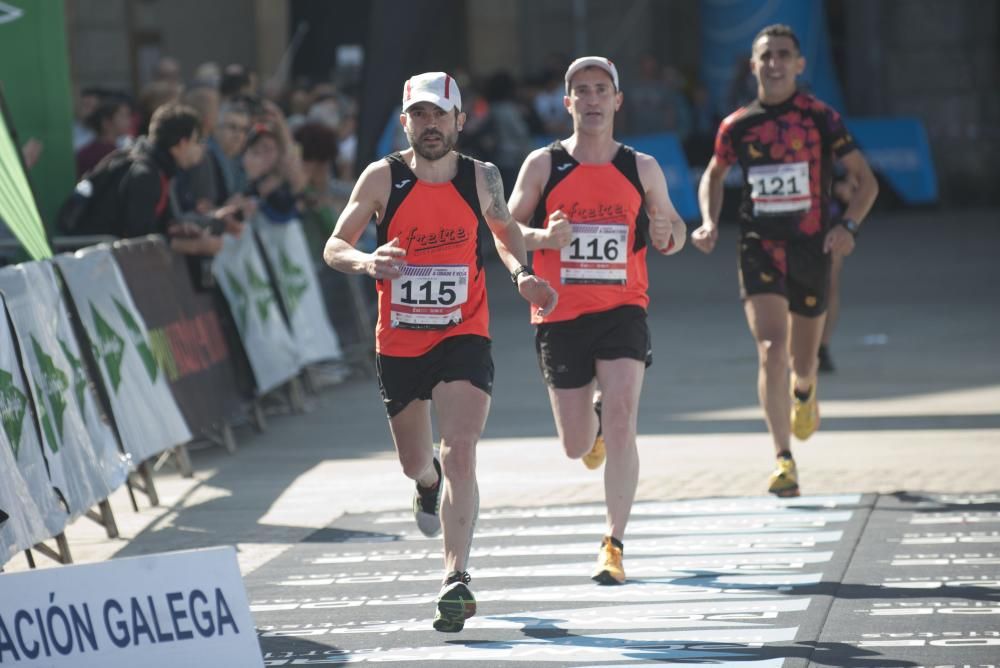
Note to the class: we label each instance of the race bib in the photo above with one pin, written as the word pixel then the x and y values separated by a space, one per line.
pixel 429 296
pixel 780 189
pixel 598 253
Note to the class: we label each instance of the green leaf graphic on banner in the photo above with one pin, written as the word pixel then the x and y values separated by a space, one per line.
pixel 140 342
pixel 53 386
pixel 263 295
pixel 47 429
pixel 293 282
pixel 241 306
pixel 79 377
pixel 109 347
pixel 13 404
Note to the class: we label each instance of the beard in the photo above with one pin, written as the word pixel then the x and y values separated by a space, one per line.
pixel 446 144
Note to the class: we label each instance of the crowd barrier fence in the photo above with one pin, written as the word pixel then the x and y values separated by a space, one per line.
pixel 119 355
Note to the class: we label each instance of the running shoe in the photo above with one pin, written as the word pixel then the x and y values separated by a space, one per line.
pixel 805 414
pixel 826 364
pixel 609 564
pixel 426 503
pixel 784 481
pixel 595 457
pixel 455 603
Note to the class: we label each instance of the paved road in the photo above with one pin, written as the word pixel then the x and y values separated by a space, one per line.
pixel 836 580
pixel 914 406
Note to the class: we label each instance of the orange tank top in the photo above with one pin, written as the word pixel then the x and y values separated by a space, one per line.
pixel 604 266
pixel 442 292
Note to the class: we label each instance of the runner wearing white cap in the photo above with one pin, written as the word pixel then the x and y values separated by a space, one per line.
pixel 589 207
pixel 432 338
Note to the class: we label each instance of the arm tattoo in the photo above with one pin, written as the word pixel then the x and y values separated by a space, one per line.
pixel 498 205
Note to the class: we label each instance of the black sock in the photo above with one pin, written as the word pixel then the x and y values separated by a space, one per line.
pixel 617 543
pixel 437 469
pixel 802 396
pixel 785 454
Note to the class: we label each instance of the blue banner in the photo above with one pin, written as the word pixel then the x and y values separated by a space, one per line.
pixel 668 152
pixel 728 28
pixel 897 149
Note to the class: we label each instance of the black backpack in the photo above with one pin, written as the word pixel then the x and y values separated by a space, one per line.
pixel 92 207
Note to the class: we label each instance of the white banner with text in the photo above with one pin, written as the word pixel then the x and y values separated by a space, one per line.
pixel 155 611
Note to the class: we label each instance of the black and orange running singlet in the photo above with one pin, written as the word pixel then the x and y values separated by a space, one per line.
pixel 786 152
pixel 442 292
pixel 604 266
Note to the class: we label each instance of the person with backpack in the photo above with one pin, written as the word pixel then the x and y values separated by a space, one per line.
pixel 127 194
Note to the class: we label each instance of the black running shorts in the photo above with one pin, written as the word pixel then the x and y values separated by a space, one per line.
pixel 568 350
pixel 796 269
pixel 404 379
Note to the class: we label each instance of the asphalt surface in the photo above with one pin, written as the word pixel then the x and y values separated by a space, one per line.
pixel 912 413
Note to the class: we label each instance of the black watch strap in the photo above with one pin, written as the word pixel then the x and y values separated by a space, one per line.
pixel 850 225
pixel 514 275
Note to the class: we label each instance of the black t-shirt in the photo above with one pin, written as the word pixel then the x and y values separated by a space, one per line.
pixel 786 152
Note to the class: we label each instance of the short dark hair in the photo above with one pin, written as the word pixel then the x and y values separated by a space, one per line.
pixel 106 109
pixel 234 79
pixel 171 123
pixel 779 30
pixel 318 141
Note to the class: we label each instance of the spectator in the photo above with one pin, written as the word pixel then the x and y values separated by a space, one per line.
pixel 168 70
pixel 273 166
pixel 504 136
pixel 646 111
pixel 319 210
pixel 86 103
pixel 208 74
pixel 110 122
pixel 226 146
pixel 299 101
pixel 325 109
pixel 31 152
pixel 347 149
pixel 236 82
pixel 137 206
pixel 153 96
pixel 548 103
pixel 197 189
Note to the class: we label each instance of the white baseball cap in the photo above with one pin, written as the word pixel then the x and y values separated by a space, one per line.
pixel 592 61
pixel 434 87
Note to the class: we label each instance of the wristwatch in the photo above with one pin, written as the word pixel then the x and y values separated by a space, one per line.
pixel 850 225
pixel 514 275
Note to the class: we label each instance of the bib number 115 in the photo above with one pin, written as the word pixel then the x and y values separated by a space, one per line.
pixel 427 293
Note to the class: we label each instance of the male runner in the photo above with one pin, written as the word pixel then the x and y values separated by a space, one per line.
pixel 785 141
pixel 432 336
pixel 587 205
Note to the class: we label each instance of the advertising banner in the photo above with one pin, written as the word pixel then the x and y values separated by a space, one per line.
pixel 144 409
pixel 176 609
pixel 897 148
pixel 669 153
pixel 186 332
pixel 34 72
pixel 295 275
pixel 727 32
pixel 84 462
pixel 21 524
pixel 240 272
pixel 26 493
